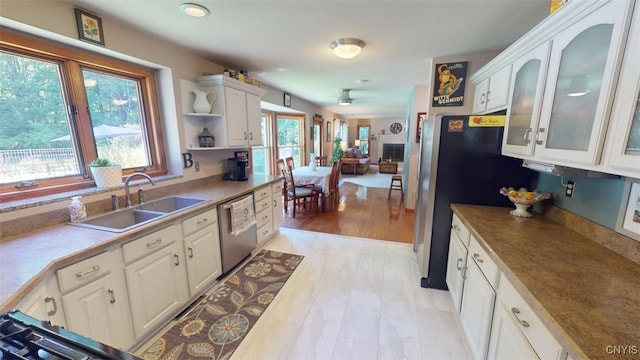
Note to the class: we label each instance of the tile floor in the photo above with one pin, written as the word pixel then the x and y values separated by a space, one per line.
pixel 354 298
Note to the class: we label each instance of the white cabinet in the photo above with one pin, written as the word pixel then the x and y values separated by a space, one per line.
pixel 492 93
pixel 525 101
pixel 156 277
pixel 96 300
pixel 202 251
pixel 44 302
pixel 235 120
pixel 583 67
pixel 517 332
pixel 623 152
pixel 456 267
pixel 478 299
pixel 264 214
pixel 278 205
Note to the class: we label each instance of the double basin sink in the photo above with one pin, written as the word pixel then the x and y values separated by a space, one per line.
pixel 127 219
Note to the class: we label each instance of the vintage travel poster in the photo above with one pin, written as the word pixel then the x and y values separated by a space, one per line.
pixel 448 89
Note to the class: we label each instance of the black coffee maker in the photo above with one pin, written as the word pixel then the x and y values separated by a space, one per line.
pixel 237 169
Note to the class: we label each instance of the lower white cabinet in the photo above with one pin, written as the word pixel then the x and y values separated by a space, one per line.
pixel 456 267
pixel 96 301
pixel 278 205
pixel 157 279
pixel 202 251
pixel 44 302
pixel 476 312
pixel 518 332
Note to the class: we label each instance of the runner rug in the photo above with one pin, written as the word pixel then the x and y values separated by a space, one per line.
pixel 214 327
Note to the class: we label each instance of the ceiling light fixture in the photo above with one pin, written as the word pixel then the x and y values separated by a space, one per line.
pixel 347 48
pixel 194 10
pixel 344 98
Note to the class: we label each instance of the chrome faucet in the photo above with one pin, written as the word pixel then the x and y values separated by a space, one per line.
pixel 127 196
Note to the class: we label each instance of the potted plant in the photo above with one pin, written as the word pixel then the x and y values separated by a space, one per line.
pixel 106 173
pixel 337 150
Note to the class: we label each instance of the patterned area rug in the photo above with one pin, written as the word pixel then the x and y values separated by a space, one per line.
pixel 214 327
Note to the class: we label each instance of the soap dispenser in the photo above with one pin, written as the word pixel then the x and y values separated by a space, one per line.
pixel 77 210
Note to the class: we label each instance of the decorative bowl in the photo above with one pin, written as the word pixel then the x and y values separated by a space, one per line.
pixel 523 199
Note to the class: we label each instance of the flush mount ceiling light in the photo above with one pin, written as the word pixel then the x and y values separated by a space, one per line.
pixel 347 48
pixel 194 10
pixel 344 98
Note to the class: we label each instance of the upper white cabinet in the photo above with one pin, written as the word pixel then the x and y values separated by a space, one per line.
pixel 623 151
pixel 583 67
pixel 235 113
pixel 492 93
pixel 525 101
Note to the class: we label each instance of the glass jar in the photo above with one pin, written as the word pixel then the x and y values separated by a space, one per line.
pixel 206 139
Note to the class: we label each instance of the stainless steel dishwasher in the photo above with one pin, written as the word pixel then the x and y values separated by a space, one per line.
pixel 234 248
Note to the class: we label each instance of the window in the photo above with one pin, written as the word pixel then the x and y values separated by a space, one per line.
pixel 289 140
pixel 363 136
pixel 261 158
pixel 61 108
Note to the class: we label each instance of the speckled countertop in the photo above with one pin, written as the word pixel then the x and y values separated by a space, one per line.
pixel 26 260
pixel 587 295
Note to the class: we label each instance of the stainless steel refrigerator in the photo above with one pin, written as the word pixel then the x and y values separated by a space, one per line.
pixel 459 162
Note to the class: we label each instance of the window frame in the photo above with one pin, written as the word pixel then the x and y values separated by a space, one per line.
pixel 73 60
pixel 276 145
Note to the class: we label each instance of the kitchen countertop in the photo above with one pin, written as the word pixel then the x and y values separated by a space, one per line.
pixel 587 295
pixel 28 258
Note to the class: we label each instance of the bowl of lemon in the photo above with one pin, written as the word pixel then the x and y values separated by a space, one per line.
pixel 523 199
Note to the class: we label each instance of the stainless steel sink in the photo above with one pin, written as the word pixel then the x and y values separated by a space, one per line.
pixel 170 204
pixel 127 219
pixel 119 221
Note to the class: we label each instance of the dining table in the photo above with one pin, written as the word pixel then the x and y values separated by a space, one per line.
pixel 304 175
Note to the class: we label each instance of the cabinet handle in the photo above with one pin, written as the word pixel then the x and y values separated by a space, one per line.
pixel 539 136
pixel 155 242
pixel 515 311
pixel 458 264
pixel 112 295
pixel 80 275
pixel 275 203
pixel 245 135
pixel 488 93
pixel 250 136
pixel 464 272
pixel 203 221
pixel 477 257
pixel 177 259
pixel 527 141
pixel 51 300
pixel 482 97
pixel 456 228
pixel 190 251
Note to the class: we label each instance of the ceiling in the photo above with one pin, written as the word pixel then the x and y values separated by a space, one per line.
pixel 285 44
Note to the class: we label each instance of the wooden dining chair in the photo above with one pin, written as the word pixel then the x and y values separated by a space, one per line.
pixel 299 192
pixel 321 160
pixel 333 197
pixel 289 161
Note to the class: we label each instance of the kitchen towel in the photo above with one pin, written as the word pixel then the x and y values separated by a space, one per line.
pixel 242 215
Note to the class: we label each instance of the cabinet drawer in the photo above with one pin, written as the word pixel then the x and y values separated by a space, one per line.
pixel 150 243
pixel 264 232
pixel 485 263
pixel 528 322
pixel 86 271
pixel 261 193
pixel 263 205
pixel 262 218
pixel 459 229
pixel 276 188
pixel 199 221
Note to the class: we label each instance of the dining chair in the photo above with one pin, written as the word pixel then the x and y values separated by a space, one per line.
pixel 333 196
pixel 289 161
pixel 321 160
pixel 299 192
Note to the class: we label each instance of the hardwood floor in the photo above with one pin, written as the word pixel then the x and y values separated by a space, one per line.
pixel 362 212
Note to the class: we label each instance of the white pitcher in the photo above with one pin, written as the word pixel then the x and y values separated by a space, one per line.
pixel 201 104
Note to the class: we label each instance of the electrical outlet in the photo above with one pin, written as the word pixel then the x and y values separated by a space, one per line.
pixel 197 165
pixel 570 189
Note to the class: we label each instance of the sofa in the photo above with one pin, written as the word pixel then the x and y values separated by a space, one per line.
pixel 353 157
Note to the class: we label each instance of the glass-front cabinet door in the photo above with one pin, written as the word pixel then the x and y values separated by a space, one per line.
pixel 525 101
pixel 579 89
pixel 623 156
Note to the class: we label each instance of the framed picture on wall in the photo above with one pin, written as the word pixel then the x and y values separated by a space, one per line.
pixel 629 216
pixel 287 99
pixel 89 27
pixel 328 131
pixel 421 116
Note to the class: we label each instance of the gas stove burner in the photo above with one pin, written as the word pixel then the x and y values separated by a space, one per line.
pixel 23 337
